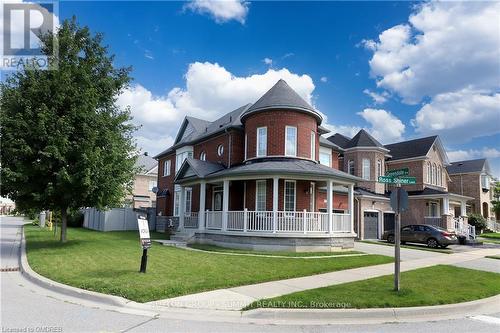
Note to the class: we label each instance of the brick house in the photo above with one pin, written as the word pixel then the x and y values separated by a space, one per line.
pixel 430 201
pixel 145 180
pixel 261 176
pixel 473 178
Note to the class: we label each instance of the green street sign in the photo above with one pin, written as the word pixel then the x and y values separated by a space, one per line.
pixel 386 179
pixel 406 180
pixel 398 172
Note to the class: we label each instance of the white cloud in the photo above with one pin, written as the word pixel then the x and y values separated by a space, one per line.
pixel 210 92
pixel 384 126
pixel 324 79
pixel 267 61
pixel 461 155
pixel 459 116
pixel 221 10
pixel 445 47
pixel 377 98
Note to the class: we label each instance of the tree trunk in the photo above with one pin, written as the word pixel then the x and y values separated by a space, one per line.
pixel 64 223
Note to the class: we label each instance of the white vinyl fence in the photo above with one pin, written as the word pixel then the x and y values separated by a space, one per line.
pixel 114 219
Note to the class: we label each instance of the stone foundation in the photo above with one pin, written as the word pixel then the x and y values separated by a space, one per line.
pixel 291 243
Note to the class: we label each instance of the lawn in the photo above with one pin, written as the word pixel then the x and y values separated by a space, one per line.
pixel 426 286
pixel 213 248
pixel 108 262
pixel 493 257
pixel 492 235
pixel 408 246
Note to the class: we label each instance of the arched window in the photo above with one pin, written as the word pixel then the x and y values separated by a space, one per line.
pixel 440 176
pixel 428 173
pixel 203 156
pixel 220 150
pixel 434 174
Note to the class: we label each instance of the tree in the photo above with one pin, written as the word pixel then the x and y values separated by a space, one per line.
pixel 65 143
pixel 496 199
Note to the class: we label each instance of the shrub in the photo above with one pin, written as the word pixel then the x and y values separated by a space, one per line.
pixel 75 219
pixel 478 221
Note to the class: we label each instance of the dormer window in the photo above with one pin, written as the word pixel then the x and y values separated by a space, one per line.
pixel 291 141
pixel 261 141
pixel 366 169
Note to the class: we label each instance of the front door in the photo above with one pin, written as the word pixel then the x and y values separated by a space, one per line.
pixel 371 225
pixel 217 199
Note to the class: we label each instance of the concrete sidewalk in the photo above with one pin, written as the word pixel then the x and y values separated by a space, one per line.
pixel 237 298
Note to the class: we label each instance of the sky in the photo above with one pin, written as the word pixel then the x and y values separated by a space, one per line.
pixel 401 70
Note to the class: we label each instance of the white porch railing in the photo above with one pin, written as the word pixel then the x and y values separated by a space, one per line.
pixel 493 225
pixel 464 229
pixel 277 222
pixel 191 220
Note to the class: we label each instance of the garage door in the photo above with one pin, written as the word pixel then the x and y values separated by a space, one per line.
pixel 389 221
pixel 371 225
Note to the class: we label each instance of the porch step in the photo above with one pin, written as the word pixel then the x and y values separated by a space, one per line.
pixel 170 242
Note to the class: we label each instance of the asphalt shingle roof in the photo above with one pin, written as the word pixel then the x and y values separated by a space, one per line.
pixel 411 148
pixel 339 139
pixel 363 139
pixel 327 143
pixel 145 162
pixel 466 166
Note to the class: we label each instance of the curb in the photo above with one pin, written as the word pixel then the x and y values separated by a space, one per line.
pixel 271 316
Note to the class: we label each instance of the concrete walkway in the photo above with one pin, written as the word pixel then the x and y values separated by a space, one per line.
pixel 239 297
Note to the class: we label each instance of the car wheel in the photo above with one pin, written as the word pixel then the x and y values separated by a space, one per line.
pixel 390 239
pixel 432 242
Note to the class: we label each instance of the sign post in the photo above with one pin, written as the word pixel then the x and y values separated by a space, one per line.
pixel 145 241
pixel 399 203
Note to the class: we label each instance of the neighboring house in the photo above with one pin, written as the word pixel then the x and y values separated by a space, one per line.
pixel 473 178
pixel 261 176
pixel 145 182
pixel 430 202
pixel 6 206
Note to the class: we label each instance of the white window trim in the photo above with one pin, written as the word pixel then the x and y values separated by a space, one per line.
pixel 380 170
pixel 363 173
pixel 167 166
pixel 286 138
pixel 257 182
pixel 186 191
pixel 258 142
pixel 294 195
pixel 203 156
pixel 313 146
pixel 349 162
pixel 220 150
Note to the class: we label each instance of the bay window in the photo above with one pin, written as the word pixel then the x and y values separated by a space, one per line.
pixel 366 169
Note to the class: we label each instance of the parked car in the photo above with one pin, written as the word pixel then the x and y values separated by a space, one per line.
pixel 425 234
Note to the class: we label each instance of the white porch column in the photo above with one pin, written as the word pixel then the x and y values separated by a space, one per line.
pixel 446 206
pixel 275 204
pixel 329 204
pixel 182 207
pixel 463 208
pixel 225 204
pixel 351 206
pixel 201 211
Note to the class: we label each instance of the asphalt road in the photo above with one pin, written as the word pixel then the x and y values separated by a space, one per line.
pixel 25 307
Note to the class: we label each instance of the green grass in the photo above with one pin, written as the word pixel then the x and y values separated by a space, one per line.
pixel 108 262
pixel 493 257
pixel 213 248
pixel 406 246
pixel 494 235
pixel 426 286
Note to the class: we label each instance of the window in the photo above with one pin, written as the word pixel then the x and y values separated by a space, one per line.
pixel 291 141
pixel 485 182
pixel 246 146
pixel 325 159
pixel 379 169
pixel 429 178
pixel 217 198
pixel 350 167
pixel 260 195
pixel 179 159
pixel 152 183
pixel 433 209
pixel 261 141
pixel 439 176
pixel 433 174
pixel 290 195
pixel 203 156
pixel 166 168
pixel 313 146
pixel 176 200
pixel 188 194
pixel 220 150
pixel 366 169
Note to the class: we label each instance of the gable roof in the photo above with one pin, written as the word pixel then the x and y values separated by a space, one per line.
pixel 339 139
pixel 196 168
pixel 411 148
pixel 468 166
pixel 363 139
pixel 146 163
pixel 282 96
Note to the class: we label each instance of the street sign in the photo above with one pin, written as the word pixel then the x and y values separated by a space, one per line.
pixel 399 203
pixel 406 180
pixel 398 172
pixel 386 179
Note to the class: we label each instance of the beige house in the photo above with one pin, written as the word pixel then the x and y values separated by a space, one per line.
pixel 145 182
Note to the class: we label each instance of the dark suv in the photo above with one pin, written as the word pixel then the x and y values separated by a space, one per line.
pixel 424 234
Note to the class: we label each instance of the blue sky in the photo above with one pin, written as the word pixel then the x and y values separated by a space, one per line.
pixel 432 68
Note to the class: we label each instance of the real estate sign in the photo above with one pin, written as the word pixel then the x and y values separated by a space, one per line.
pixel 143 225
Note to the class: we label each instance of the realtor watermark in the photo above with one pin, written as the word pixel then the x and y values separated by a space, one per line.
pixel 30 329
pixel 22 26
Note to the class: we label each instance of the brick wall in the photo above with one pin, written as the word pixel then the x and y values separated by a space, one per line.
pixel 165 204
pixel 276 121
pixel 361 206
pixel 373 155
pixel 470 185
pixel 416 170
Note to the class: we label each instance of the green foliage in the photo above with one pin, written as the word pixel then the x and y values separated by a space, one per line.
pixel 496 198
pixel 65 143
pixel 35 221
pixel 477 220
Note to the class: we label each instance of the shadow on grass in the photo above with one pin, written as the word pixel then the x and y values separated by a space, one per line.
pixel 34 245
